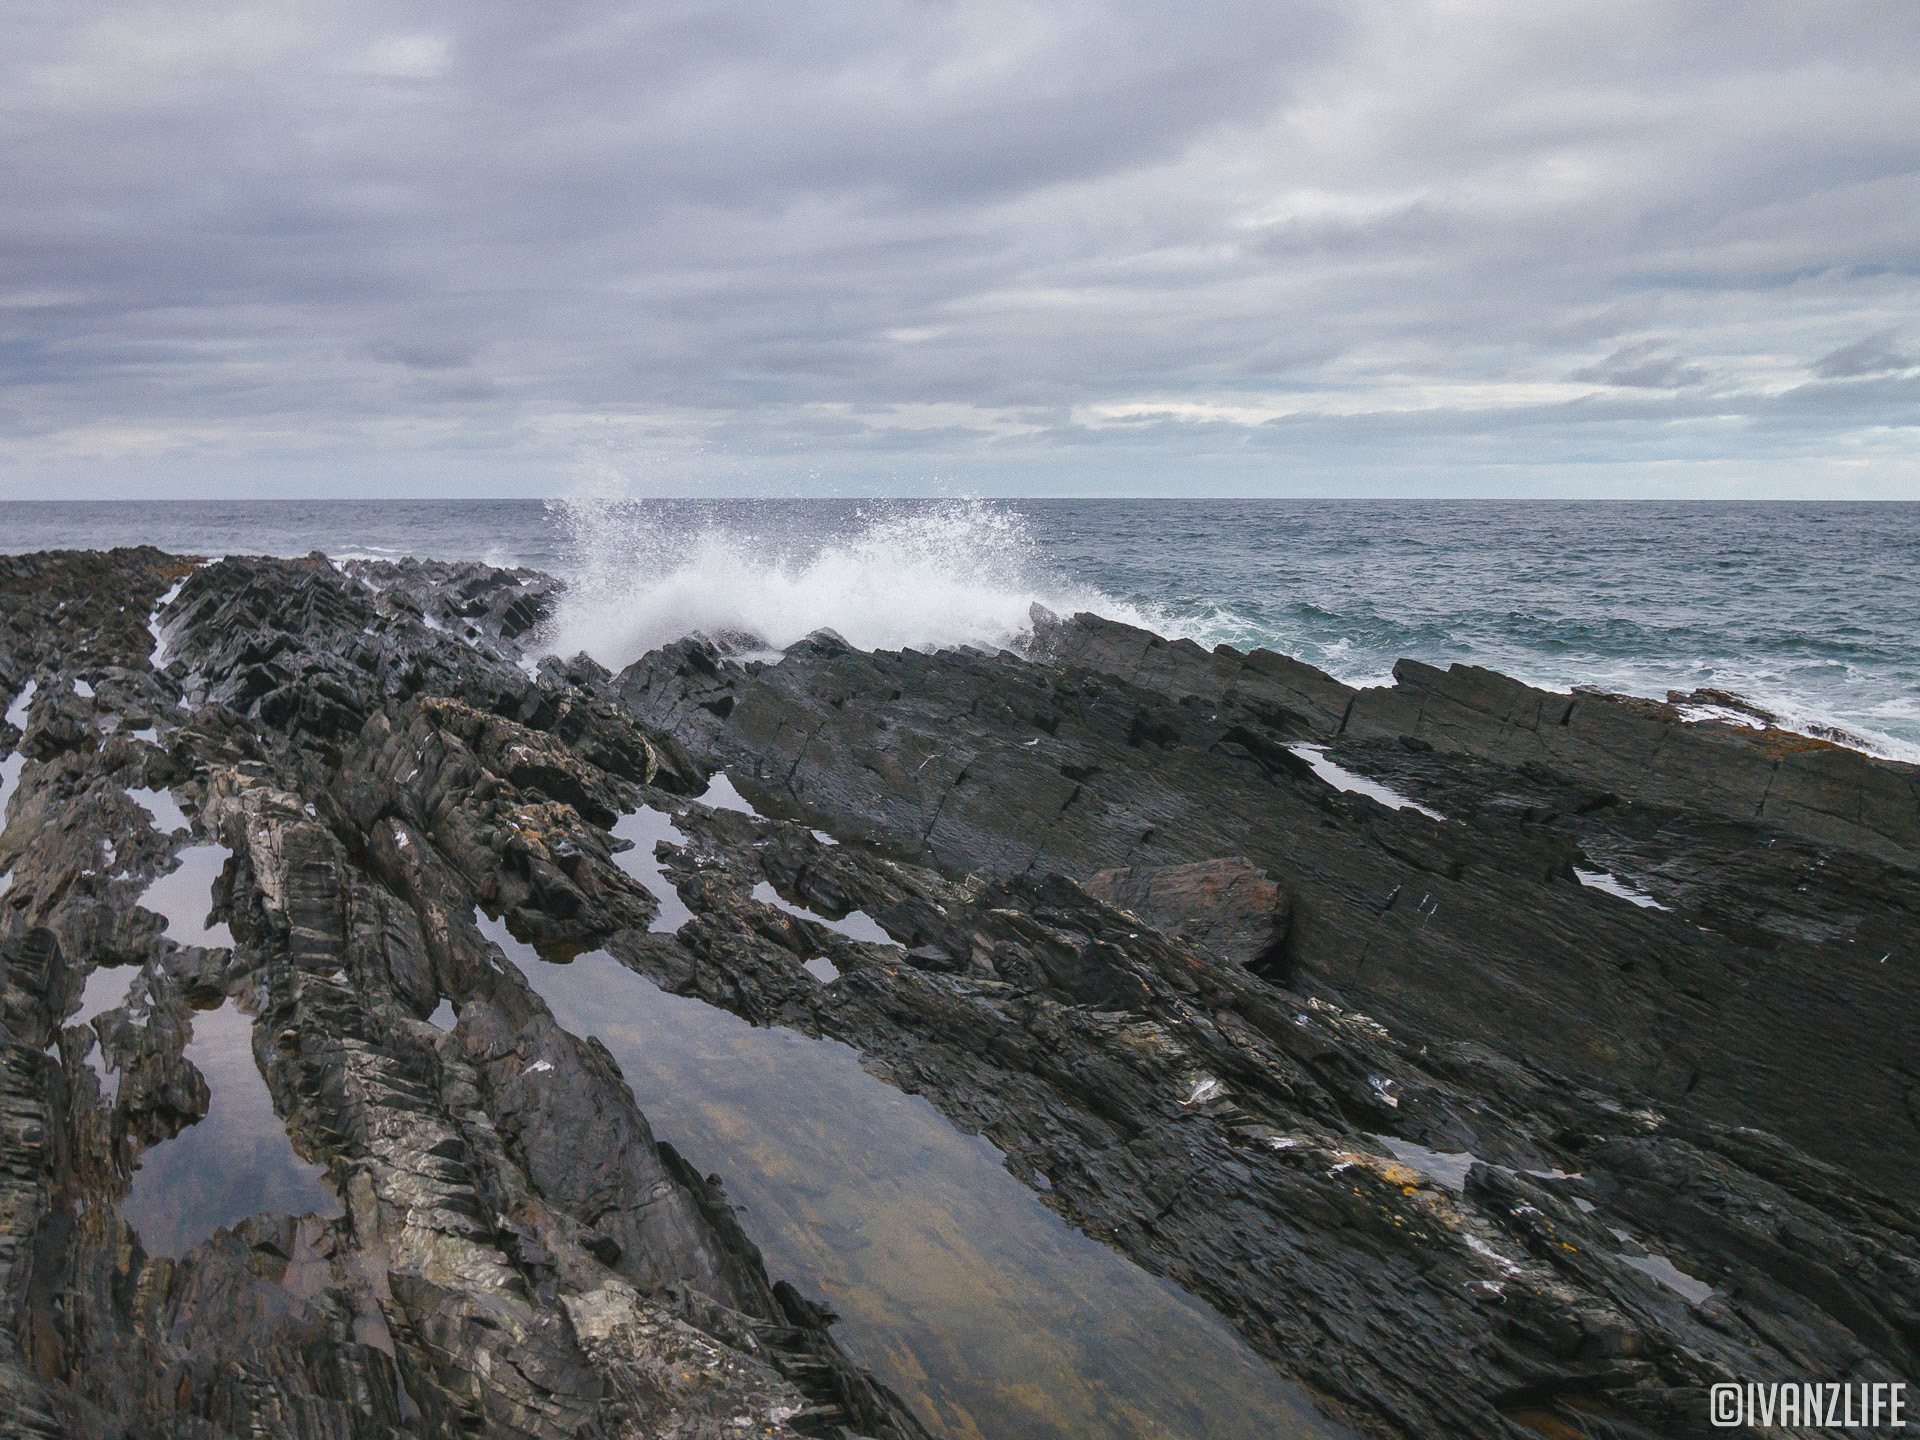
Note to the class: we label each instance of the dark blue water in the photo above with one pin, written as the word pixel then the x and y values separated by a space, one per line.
pixel 1810 609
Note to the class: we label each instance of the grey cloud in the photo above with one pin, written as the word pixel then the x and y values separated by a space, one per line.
pixel 425 354
pixel 1408 227
pixel 1583 327
pixel 1862 400
pixel 1869 355
pixel 810 237
pixel 1643 366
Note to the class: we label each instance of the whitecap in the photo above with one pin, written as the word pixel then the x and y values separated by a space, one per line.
pixel 957 573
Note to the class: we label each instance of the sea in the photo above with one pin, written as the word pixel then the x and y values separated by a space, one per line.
pixel 1809 610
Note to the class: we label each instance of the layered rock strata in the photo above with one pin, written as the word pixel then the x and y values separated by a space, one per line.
pixel 514 1253
pixel 1465 1140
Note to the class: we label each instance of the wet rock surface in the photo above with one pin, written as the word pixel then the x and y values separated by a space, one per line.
pixel 1229 907
pixel 507 1249
pixel 1463 1142
pixel 1433 1152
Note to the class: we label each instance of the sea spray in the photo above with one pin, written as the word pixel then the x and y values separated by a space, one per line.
pixel 890 577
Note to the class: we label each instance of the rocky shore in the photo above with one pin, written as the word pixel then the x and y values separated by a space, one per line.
pixel 1495 1062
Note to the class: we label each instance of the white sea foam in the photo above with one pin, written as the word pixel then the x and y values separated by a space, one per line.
pixel 959 573
pixel 1794 707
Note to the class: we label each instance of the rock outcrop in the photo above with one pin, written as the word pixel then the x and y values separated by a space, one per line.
pixel 1495 1028
pixel 1540 1118
pixel 1228 908
pixel 512 1251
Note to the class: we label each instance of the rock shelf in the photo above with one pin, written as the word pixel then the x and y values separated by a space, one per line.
pixel 1456 1143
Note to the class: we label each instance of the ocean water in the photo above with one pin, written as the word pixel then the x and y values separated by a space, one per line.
pixel 1809 609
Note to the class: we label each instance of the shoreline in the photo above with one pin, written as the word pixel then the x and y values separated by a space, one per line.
pixel 1384 1090
pixel 1803 610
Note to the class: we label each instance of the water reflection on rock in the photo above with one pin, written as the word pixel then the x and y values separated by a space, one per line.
pixel 990 1315
pixel 185 897
pixel 236 1162
pixel 646 827
pixel 855 924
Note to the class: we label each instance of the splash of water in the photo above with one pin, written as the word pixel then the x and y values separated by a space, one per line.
pixel 893 577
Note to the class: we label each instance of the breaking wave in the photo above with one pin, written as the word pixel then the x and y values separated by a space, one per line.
pixel 883 577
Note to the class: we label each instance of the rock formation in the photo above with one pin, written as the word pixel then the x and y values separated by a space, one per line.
pixel 1536 1119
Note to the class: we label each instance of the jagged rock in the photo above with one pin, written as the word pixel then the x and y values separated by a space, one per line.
pixel 1643 749
pixel 1383 1089
pixel 1520 1015
pixel 1475 928
pixel 515 1253
pixel 1281 693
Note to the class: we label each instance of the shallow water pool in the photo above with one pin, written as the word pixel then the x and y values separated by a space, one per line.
pixel 236 1162
pixel 991 1316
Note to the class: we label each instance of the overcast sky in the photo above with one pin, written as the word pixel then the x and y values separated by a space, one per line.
pixel 1239 247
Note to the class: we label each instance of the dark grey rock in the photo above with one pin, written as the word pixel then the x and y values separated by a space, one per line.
pixel 514 1253
pixel 1379 1088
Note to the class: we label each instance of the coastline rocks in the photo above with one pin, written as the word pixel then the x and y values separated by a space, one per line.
pixel 1646 750
pixel 1522 1013
pixel 1280 692
pixel 1539 1118
pixel 511 1250
pixel 1420 1228
pixel 481 604
pixel 1478 928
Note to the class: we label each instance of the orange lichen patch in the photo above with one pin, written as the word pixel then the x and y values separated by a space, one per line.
pixel 1407 1195
pixel 535 827
pixel 1404 1178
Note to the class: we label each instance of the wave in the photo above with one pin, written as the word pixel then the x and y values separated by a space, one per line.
pixel 930 575
pixel 885 578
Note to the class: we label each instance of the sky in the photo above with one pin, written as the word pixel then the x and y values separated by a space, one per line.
pixel 1253 247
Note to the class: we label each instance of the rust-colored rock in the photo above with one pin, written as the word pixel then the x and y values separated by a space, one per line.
pixel 1229 907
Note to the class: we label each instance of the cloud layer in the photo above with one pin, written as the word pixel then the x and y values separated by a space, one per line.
pixel 1286 247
